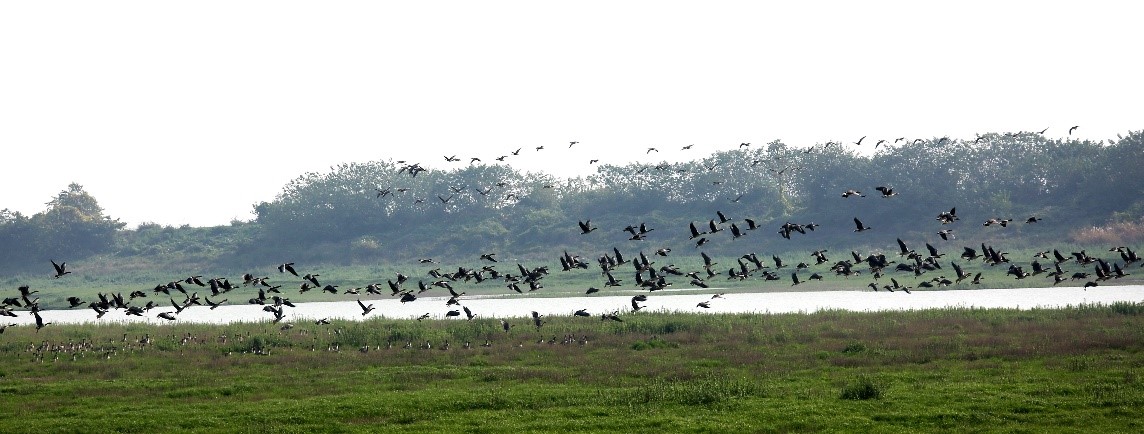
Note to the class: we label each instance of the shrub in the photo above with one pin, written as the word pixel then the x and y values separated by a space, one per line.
pixel 1116 233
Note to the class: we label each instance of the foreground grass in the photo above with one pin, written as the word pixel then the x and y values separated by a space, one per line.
pixel 1075 369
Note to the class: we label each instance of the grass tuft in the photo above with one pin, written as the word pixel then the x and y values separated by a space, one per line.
pixel 862 388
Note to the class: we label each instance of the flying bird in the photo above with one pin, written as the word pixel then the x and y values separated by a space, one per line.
pixel 886 191
pixel 287 267
pixel 60 271
pixel 586 226
pixel 364 309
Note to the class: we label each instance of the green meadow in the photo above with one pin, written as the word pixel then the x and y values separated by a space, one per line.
pixel 1075 369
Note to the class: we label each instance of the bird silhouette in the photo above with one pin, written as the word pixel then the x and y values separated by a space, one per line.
pixel 287 267
pixel 860 227
pixel 60 271
pixel 635 302
pixel 886 191
pixel 365 310
pixel 586 227
pixel 695 233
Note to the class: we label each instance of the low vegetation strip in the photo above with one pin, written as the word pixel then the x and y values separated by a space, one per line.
pixel 1073 369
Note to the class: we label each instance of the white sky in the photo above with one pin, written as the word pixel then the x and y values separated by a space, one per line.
pixel 191 112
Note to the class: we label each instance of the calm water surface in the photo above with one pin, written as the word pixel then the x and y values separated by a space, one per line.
pixel 674 301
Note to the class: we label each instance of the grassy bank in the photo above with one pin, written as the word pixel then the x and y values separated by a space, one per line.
pixel 1075 369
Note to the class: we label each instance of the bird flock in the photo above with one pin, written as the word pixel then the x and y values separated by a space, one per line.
pixel 641 267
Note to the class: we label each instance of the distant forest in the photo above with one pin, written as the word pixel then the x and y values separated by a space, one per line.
pixel 1081 192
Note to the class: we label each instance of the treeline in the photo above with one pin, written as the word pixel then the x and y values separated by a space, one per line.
pixel 73 225
pixel 383 211
pixel 342 215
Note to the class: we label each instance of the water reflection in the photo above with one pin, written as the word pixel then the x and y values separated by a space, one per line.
pixel 509 306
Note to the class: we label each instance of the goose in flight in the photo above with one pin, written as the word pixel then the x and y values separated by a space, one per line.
pixel 39 320
pixel 586 227
pixel 902 249
pixel 948 217
pixel 751 225
pixel 945 234
pixel 287 267
pixel 735 232
pixel 611 280
pixel 60 271
pixel 695 231
pixel 860 227
pixel 635 302
pixel 364 309
pixel 213 305
pixel 707 262
pixel 886 191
